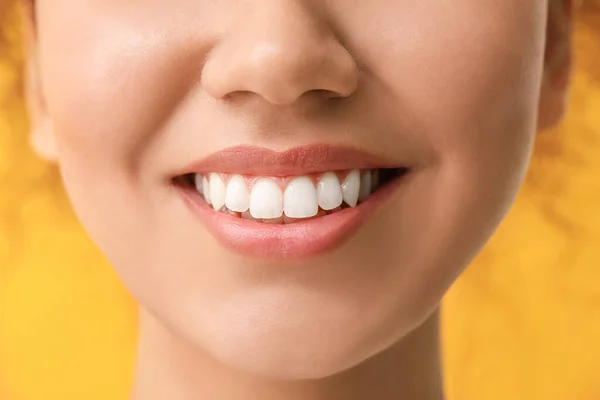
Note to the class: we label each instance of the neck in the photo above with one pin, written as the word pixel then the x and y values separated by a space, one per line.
pixel 169 367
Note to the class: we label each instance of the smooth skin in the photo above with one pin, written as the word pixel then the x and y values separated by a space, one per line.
pixel 122 94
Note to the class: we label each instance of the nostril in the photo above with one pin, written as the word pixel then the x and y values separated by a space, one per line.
pixel 328 94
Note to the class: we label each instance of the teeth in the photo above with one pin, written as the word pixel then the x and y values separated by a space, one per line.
pixel 230 212
pixel 267 202
pixel 198 182
pixel 266 199
pixel 300 198
pixel 365 186
pixel 206 189
pixel 351 188
pixel 237 197
pixel 217 191
pixel 329 192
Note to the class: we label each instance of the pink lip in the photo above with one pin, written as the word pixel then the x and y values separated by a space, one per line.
pixel 292 162
pixel 292 241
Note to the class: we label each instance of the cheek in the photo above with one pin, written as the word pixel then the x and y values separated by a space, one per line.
pixel 465 75
pixel 111 81
pixel 465 78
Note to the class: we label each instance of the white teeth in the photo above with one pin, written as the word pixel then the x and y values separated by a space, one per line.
pixel 329 192
pixel 198 182
pixel 300 198
pixel 217 191
pixel 237 197
pixel 266 199
pixel 267 202
pixel 206 190
pixel 351 187
pixel 365 186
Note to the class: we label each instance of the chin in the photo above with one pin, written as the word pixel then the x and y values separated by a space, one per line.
pixel 294 353
pixel 295 337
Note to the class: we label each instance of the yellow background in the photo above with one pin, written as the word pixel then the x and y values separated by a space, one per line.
pixel 522 323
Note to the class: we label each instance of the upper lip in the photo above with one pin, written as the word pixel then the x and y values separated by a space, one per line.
pixel 303 160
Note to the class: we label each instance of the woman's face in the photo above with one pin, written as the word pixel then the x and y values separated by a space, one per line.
pixel 143 95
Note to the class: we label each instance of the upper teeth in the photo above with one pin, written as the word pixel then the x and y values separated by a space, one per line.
pixel 271 198
pixel 266 199
pixel 351 188
pixel 217 191
pixel 329 192
pixel 237 195
pixel 300 199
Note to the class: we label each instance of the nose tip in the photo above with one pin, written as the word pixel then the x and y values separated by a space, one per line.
pixel 281 63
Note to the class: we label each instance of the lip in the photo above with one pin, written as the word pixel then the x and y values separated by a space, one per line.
pixel 302 239
pixel 296 161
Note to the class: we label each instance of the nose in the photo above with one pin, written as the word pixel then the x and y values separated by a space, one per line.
pixel 281 52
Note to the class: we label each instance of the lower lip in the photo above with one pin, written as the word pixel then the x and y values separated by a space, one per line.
pixel 299 240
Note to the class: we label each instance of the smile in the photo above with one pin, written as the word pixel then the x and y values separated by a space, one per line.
pixel 264 209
